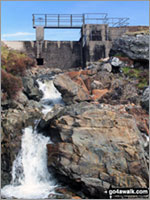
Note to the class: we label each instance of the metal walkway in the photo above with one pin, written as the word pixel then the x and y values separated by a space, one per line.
pixel 76 20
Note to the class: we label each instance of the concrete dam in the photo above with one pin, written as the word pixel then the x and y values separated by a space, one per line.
pixel 97 34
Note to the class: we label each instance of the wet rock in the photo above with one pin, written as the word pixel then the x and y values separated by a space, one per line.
pixel 44 122
pixel 34 104
pixel 145 99
pixel 97 148
pixel 31 89
pixel 71 91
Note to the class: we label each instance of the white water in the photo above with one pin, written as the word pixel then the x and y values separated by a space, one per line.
pixel 51 95
pixel 30 176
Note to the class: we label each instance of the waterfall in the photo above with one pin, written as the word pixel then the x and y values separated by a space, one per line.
pixel 51 95
pixel 30 176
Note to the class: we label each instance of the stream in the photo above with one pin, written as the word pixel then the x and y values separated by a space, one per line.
pixel 30 176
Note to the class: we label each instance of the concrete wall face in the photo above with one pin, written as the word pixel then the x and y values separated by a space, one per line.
pixel 61 54
pixel 95 42
pixel 115 32
pixel 39 33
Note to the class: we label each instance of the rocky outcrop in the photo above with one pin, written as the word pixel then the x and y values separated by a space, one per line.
pixel 102 86
pixel 121 91
pixel 96 148
pixel 135 47
pixel 19 113
pixel 106 67
pixel 71 91
pixel 145 99
pixel 31 89
pixel 97 94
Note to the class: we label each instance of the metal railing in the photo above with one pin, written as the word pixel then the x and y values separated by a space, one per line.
pixel 76 20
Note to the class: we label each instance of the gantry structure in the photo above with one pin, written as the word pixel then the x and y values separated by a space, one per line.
pixel 76 21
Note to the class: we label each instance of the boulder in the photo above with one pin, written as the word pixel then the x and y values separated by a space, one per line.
pixel 80 82
pixel 121 91
pixel 135 47
pixel 71 91
pixel 145 99
pixel 96 85
pixel 106 67
pixel 116 62
pixel 97 94
pixel 103 80
pixel 46 119
pixel 96 149
pixel 22 98
pixel 31 89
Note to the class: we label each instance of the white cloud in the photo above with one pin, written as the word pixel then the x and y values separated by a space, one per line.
pixel 17 34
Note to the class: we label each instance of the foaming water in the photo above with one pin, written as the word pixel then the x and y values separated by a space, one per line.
pixel 51 95
pixel 30 176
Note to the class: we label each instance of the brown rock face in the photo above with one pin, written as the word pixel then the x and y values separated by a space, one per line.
pixel 141 119
pixel 97 94
pixel 102 86
pixel 71 91
pixel 97 148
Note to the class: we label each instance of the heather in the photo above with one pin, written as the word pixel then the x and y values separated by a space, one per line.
pixel 14 65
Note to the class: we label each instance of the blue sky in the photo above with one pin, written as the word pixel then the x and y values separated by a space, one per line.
pixel 16 16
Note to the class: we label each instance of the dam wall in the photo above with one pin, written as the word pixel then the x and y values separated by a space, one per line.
pixel 95 43
pixel 53 54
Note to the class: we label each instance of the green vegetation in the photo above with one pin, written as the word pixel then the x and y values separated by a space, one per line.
pixel 141 75
pixel 126 70
pixel 14 65
pixel 119 55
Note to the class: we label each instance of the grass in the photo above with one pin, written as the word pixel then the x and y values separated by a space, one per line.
pixel 141 75
pixel 119 55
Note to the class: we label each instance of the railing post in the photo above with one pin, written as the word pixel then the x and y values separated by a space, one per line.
pixel 45 20
pixel 71 20
pixel 83 19
pixel 58 20
pixel 33 20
